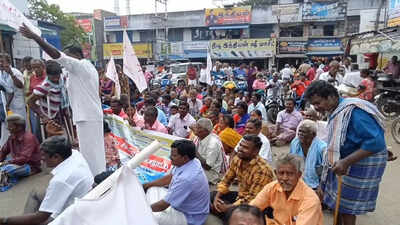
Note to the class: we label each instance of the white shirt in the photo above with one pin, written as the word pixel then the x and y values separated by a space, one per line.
pixel 17 104
pixel 83 89
pixel 326 77
pixel 276 90
pixel 71 179
pixel 180 127
pixel 203 76
pixel 194 108
pixel 211 149
pixel 265 150
pixel 287 73
pixel 260 107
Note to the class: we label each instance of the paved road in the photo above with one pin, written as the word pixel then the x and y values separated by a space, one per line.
pixel 387 212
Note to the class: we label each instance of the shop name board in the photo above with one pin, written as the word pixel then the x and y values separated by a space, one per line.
pixel 224 16
pixel 292 47
pixel 324 10
pixel 195 45
pixel 394 13
pixel 248 48
pixel 116 22
pixel 142 50
pixel 319 45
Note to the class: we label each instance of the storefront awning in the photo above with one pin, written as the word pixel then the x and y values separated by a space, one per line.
pixel 326 53
pixel 4 27
pixel 291 56
pixel 229 27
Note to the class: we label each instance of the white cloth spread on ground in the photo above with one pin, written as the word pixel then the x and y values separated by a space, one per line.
pixel 124 204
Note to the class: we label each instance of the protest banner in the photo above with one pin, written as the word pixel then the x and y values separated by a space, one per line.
pixel 11 16
pixel 131 140
pixel 243 48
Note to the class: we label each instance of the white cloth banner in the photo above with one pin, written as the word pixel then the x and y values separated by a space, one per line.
pixel 132 66
pixel 14 18
pixel 113 75
pixel 124 204
pixel 209 68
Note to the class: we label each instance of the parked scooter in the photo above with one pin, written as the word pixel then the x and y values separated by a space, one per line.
pixel 273 105
pixel 388 101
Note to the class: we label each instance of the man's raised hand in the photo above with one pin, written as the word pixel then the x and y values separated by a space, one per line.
pixel 26 32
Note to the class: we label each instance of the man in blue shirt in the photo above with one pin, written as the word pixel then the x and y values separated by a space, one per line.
pixel 308 146
pixel 356 151
pixel 151 102
pixel 188 190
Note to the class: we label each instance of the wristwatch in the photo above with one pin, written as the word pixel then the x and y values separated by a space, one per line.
pixel 4 221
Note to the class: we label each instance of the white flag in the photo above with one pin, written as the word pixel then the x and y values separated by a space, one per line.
pixel 123 204
pixel 209 68
pixel 113 75
pixel 132 66
pixel 14 18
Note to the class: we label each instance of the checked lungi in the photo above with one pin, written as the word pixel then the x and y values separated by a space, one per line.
pixel 14 172
pixel 359 188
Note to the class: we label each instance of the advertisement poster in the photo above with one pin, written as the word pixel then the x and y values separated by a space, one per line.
pixel 114 22
pixel 324 10
pixel 226 16
pixel 246 48
pixel 131 141
pixel 323 45
pixel 394 13
pixel 292 47
pixel 85 24
pixel 142 50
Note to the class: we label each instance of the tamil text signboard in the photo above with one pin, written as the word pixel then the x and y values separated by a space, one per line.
pixel 246 48
pixel 324 10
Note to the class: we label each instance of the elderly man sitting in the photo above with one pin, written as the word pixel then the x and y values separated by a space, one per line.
pixel 20 155
pixel 252 173
pixel 308 146
pixel 290 199
pixel 322 126
pixel 210 151
pixel 188 191
pixel 286 124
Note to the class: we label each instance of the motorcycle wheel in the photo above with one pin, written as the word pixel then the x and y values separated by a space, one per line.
pixel 272 113
pixel 385 106
pixel 396 130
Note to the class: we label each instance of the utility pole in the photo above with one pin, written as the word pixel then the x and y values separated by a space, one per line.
pixel 160 23
pixel 378 14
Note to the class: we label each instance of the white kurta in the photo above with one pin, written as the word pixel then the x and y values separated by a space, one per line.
pixel 83 93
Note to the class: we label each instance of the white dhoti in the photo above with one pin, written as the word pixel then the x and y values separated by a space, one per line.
pixel 170 216
pixel 91 144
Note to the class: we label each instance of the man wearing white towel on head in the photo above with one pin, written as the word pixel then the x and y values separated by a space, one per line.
pixel 83 93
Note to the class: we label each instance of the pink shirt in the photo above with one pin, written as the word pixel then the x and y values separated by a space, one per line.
pixel 259 85
pixel 157 126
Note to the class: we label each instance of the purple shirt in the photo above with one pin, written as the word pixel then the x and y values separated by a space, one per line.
pixel 189 192
pixel 289 120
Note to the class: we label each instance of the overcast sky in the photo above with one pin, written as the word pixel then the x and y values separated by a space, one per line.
pixel 137 6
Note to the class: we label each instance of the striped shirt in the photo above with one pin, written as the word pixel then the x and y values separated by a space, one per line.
pixel 52 93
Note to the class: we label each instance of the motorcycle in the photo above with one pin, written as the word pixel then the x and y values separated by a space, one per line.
pixel 396 130
pixel 273 105
pixel 241 83
pixel 388 102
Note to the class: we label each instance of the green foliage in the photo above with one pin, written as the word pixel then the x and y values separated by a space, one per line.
pixel 257 3
pixel 71 34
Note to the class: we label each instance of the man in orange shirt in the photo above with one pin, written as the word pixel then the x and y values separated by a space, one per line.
pixel 300 85
pixel 291 200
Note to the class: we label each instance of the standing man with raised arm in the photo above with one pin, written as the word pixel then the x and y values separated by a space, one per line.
pixel 83 92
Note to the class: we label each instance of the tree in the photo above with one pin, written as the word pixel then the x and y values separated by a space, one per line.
pixel 71 34
pixel 257 3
